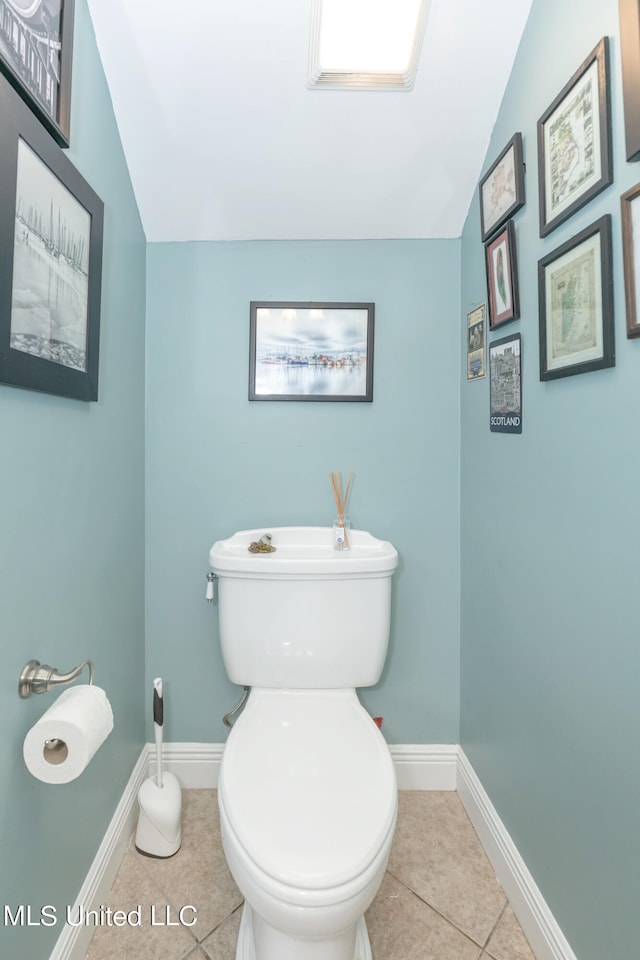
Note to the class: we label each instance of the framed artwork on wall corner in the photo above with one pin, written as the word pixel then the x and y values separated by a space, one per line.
pixel 36 47
pixel 477 342
pixel 629 15
pixel 502 277
pixel 574 142
pixel 502 188
pixel 630 214
pixel 312 351
pixel 575 291
pixel 51 229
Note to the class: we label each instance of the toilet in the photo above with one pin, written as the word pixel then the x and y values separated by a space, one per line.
pixel 307 790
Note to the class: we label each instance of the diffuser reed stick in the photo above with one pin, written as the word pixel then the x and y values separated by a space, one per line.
pixel 342 536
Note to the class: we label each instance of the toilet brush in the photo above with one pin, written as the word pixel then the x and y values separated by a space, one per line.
pixel 159 832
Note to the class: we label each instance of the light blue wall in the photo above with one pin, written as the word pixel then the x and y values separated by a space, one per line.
pixel 550 532
pixel 71 550
pixel 217 463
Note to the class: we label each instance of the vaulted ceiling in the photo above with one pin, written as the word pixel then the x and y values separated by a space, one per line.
pixel 224 141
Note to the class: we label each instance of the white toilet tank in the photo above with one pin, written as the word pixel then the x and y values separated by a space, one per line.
pixel 306 615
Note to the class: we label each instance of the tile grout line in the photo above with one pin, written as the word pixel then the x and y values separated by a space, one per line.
pixel 494 928
pixel 442 916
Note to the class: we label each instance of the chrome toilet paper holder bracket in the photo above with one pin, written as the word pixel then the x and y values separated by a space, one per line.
pixel 37 677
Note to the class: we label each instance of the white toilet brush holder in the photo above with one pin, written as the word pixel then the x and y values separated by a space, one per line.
pixel 159 832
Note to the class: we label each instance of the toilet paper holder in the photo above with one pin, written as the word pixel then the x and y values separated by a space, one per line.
pixel 37 677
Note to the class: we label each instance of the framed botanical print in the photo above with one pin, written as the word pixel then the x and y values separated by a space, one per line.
pixel 502 276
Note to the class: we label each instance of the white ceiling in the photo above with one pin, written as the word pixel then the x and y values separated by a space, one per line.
pixel 225 142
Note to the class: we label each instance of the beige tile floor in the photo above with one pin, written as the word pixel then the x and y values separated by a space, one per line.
pixel 440 899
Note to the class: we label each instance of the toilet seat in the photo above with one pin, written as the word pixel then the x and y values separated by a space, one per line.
pixel 307 789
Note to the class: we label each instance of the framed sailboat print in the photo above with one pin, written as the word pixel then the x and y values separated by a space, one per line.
pixel 51 224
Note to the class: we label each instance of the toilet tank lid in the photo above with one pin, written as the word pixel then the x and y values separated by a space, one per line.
pixel 303 551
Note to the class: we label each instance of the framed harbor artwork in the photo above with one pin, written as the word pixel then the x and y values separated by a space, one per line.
pixel 36 44
pixel 311 351
pixel 575 293
pixel 502 277
pixel 51 224
pixel 502 188
pixel 574 142
pixel 505 375
pixel 630 211
pixel 477 342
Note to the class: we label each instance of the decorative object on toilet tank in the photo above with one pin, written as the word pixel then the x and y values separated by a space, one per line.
pixel 342 524
pixel 311 351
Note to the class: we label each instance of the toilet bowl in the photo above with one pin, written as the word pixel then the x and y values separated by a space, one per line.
pixel 308 803
pixel 307 790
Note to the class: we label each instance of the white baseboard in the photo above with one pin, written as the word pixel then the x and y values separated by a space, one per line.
pixel 425 766
pixel 73 942
pixel 418 767
pixel 540 927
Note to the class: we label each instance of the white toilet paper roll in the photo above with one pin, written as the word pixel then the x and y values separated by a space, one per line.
pixel 61 744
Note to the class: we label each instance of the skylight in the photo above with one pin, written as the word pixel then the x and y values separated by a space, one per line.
pixel 366 43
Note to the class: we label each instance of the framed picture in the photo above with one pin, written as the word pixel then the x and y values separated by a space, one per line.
pixel 630 210
pixel 574 142
pixel 506 385
pixel 502 277
pixel 51 224
pixel 502 188
pixel 311 351
pixel 575 288
pixel 477 343
pixel 629 13
pixel 36 42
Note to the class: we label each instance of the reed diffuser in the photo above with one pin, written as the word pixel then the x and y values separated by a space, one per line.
pixel 341 525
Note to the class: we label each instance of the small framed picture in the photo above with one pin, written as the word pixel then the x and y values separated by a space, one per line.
pixel 506 384
pixel 311 351
pixel 575 290
pixel 36 41
pixel 630 211
pixel 502 188
pixel 477 343
pixel 574 142
pixel 502 277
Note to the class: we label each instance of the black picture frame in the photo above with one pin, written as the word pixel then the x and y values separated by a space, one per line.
pixel 575 160
pixel 311 351
pixel 630 220
pixel 36 53
pixel 629 16
pixel 505 384
pixel 51 236
pixel 502 276
pixel 501 189
pixel 575 290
